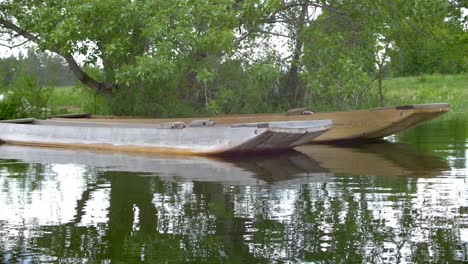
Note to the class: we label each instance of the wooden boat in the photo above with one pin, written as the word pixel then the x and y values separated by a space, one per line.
pixel 200 137
pixel 369 124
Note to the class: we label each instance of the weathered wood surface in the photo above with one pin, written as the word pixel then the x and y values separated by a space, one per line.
pixel 350 125
pixel 78 115
pixel 151 138
pixel 19 121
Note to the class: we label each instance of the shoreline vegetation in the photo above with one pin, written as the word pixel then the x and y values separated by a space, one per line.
pixel 437 88
pixel 422 89
pixel 203 58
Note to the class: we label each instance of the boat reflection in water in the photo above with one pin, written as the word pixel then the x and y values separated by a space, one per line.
pixel 286 168
pixel 377 159
pixel 309 163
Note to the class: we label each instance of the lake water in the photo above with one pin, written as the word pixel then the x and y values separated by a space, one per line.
pixel 404 200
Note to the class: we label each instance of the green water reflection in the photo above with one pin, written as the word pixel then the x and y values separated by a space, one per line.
pixel 401 201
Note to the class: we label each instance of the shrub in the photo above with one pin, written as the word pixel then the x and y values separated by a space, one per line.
pixel 26 99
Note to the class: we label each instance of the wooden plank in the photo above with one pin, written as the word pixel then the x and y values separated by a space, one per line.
pixel 19 121
pixel 77 115
pixel 299 111
pixel 414 106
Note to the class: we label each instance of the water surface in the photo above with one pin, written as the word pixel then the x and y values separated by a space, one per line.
pixel 404 200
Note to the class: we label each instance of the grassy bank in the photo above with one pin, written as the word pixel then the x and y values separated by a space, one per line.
pixel 70 99
pixel 452 89
pixel 66 99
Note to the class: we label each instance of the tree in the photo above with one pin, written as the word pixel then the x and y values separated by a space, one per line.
pixel 431 38
pixel 7 70
pixel 48 69
pixel 363 41
pixel 132 40
pixel 292 22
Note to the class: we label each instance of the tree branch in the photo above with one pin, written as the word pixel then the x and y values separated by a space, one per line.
pixel 83 77
pixel 274 33
pixel 14 46
pixel 7 24
pixel 242 37
pixel 309 3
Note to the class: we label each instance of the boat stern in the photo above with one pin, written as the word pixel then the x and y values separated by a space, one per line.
pixel 277 136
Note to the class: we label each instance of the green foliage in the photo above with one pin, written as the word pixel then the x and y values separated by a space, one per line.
pixel 48 69
pixel 429 38
pixel 137 42
pixel 250 90
pixel 338 66
pixel 444 52
pixel 340 85
pixel 7 71
pixel 157 98
pixel 26 99
pixel 9 106
pixel 65 99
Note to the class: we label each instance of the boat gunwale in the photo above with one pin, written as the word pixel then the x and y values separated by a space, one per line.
pixel 414 106
pixel 283 125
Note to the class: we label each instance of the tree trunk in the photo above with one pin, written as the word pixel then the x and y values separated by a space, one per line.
pixel 381 95
pixel 294 91
pixel 84 78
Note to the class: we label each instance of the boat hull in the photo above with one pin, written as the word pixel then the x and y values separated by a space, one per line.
pixel 147 138
pixel 350 125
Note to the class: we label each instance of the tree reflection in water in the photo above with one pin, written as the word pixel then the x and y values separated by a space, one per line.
pixel 347 219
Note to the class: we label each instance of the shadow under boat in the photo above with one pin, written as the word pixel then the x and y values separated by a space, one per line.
pixel 276 170
pixel 380 158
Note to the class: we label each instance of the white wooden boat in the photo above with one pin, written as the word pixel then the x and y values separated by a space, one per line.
pixel 201 137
